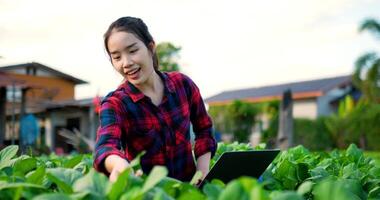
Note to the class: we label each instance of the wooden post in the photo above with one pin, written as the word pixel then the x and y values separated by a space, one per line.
pixel 285 131
pixel 21 115
pixel 3 101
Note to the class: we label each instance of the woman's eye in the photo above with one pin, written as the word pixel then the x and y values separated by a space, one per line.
pixel 116 58
pixel 133 51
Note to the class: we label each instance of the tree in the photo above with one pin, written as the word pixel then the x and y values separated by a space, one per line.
pixel 367 67
pixel 242 116
pixel 167 56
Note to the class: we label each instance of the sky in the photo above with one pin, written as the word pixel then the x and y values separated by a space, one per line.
pixel 226 45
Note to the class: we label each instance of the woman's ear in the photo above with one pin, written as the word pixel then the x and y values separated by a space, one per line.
pixel 152 47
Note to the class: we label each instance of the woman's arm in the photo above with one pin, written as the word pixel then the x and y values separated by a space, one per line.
pixel 203 164
pixel 108 145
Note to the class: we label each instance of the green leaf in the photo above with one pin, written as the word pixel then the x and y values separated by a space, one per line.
pixel 53 196
pixel 18 185
pixel 64 187
pixel 155 176
pixel 159 194
pixel 97 184
pixel 234 190
pixel 331 189
pixel 132 194
pixel 287 195
pixel 170 185
pixel 22 167
pixel 258 193
pixel 120 185
pixel 305 188
pixel 374 193
pixel 191 194
pixel 354 153
pixel 37 176
pixel 212 191
pixel 71 163
pixel 64 178
pixel 7 154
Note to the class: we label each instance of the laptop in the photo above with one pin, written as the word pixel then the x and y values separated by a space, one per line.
pixel 232 165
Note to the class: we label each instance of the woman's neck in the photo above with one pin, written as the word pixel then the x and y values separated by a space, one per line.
pixel 153 85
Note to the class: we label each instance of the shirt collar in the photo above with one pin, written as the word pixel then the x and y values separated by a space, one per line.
pixel 137 95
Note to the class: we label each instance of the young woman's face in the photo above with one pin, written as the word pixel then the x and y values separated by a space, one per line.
pixel 130 57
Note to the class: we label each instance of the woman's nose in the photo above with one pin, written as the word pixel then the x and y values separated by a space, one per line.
pixel 127 62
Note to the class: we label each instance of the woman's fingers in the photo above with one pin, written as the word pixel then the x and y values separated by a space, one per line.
pixel 113 176
pixel 139 173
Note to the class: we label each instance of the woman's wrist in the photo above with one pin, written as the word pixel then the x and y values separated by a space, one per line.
pixel 203 163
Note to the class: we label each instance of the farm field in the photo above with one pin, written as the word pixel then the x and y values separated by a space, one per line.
pixel 295 174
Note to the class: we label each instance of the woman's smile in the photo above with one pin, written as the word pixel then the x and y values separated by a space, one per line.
pixel 134 73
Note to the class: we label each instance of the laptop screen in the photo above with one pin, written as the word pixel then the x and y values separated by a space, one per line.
pixel 232 165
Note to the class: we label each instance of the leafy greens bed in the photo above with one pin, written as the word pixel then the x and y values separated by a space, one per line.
pixel 295 174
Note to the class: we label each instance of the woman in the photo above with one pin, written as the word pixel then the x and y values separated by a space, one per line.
pixel 150 111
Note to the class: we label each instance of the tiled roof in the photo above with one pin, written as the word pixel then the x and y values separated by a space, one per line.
pixel 43 67
pixel 319 85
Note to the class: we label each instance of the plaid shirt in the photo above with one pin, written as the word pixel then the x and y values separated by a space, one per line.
pixel 130 123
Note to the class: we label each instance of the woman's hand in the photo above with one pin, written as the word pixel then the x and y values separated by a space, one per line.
pixel 117 170
pixel 115 165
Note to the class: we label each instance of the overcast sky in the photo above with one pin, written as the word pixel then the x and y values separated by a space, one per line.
pixel 225 44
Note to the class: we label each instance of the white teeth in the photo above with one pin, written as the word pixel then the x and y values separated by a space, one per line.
pixel 134 71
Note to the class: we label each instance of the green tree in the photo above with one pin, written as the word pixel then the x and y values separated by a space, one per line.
pixel 337 124
pixel 367 67
pixel 242 116
pixel 168 55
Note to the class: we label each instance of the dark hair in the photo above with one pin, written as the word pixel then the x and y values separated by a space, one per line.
pixel 135 26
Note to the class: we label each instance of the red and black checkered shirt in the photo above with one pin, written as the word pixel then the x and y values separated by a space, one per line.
pixel 130 123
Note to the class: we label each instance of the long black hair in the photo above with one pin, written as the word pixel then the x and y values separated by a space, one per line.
pixel 138 28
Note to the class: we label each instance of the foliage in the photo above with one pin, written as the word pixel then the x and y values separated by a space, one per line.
pixel 359 124
pixel 271 109
pixel 295 174
pixel 239 117
pixel 367 67
pixel 167 56
pixel 312 134
pixel 364 126
pixel 242 116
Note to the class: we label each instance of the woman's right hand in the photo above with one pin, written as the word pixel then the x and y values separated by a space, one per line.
pixel 115 165
pixel 117 170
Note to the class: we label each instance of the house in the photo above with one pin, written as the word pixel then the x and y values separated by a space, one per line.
pixel 49 95
pixel 312 98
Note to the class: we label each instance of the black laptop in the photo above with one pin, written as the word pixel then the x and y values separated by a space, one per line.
pixel 232 165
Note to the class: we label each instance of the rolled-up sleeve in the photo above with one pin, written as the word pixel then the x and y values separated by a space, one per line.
pixel 108 138
pixel 202 124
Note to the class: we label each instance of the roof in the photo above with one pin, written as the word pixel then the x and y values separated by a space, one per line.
pixel 43 67
pixel 303 89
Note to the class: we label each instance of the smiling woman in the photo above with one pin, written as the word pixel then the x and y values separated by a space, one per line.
pixel 150 111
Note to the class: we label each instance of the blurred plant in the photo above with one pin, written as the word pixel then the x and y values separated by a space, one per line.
pixel 81 143
pixel 366 76
pixel 337 123
pixel 242 116
pixel 167 56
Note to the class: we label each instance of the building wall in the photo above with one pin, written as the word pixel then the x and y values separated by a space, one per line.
pixel 59 118
pixel 51 88
pixel 305 109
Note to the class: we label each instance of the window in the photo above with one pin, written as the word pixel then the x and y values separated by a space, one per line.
pixel 17 93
